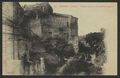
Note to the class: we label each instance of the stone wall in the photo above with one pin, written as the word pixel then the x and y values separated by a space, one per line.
pixel 11 16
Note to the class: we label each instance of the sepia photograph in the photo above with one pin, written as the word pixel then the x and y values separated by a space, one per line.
pixel 59 38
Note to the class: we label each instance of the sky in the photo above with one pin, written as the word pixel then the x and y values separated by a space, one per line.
pixel 91 18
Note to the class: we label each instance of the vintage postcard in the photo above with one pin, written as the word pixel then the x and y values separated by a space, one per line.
pixel 66 38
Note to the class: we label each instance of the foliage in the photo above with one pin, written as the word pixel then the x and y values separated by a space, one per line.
pixel 59 46
pixel 91 44
pixel 57 49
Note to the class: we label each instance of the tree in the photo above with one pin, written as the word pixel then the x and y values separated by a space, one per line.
pixel 56 50
pixel 93 43
pixel 95 40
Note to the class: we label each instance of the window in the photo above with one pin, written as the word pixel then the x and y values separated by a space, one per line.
pixel 61 29
pixel 65 35
pixel 56 35
pixel 50 34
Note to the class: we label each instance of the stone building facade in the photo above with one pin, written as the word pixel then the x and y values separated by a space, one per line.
pixel 46 23
pixel 13 42
pixel 24 25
